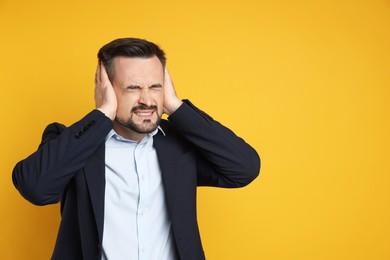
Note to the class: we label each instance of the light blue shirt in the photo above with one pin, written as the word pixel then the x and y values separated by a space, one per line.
pixel 136 221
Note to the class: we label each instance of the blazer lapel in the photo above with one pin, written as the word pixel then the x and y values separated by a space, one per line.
pixel 167 154
pixel 167 159
pixel 95 177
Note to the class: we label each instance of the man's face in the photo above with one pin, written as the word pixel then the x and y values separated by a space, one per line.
pixel 138 84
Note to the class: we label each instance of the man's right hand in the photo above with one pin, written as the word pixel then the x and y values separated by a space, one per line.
pixel 105 98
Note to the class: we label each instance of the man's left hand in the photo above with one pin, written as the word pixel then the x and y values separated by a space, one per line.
pixel 171 101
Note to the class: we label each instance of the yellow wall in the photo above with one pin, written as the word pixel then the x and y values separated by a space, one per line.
pixel 305 82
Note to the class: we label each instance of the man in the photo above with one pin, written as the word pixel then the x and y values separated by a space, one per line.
pixel 126 178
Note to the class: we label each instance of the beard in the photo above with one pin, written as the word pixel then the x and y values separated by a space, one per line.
pixel 146 126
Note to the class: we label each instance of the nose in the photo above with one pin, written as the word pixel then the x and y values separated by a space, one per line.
pixel 145 98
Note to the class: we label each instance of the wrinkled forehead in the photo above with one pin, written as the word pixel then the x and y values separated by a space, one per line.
pixel 142 71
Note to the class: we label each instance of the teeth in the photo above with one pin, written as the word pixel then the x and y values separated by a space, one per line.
pixel 144 113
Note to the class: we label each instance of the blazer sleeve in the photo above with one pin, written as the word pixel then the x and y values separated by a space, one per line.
pixel 225 159
pixel 42 177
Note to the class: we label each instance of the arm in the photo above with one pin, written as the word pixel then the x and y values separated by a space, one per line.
pixel 226 160
pixel 42 177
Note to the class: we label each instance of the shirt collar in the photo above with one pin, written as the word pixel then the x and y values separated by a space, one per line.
pixel 113 133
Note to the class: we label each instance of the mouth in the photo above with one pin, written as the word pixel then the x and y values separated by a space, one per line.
pixel 145 114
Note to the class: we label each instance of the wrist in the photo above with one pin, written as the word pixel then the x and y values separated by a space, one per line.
pixel 108 112
pixel 173 106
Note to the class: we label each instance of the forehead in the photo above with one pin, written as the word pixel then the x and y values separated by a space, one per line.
pixel 138 70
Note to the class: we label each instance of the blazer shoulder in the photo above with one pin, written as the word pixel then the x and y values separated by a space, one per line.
pixel 51 131
pixel 165 125
pixel 173 137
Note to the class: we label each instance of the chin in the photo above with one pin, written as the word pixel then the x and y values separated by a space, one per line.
pixel 147 126
pixel 141 126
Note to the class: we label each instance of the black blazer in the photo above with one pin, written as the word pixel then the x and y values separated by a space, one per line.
pixel 69 167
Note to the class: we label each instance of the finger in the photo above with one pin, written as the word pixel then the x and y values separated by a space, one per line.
pixel 104 75
pixel 166 73
pixel 97 73
pixel 166 77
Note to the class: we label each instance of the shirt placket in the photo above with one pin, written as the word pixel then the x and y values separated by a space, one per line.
pixel 141 170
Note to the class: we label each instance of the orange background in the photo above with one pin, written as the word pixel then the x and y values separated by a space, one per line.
pixel 305 82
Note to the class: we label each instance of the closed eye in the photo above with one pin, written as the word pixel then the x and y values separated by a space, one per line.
pixel 156 86
pixel 133 87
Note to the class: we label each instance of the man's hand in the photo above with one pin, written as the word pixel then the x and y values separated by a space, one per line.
pixel 105 98
pixel 171 101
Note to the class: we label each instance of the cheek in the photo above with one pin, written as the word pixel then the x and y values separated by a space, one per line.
pixel 125 103
pixel 158 98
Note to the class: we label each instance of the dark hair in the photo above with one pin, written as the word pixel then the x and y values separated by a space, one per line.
pixel 128 47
